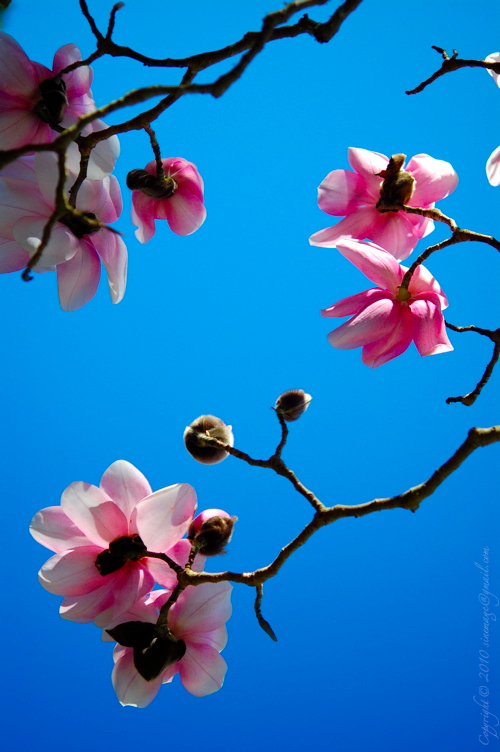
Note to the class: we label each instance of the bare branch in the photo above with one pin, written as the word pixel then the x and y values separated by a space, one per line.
pixel 494 335
pixel 263 623
pixel 452 64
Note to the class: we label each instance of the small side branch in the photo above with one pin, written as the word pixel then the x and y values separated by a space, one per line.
pixel 453 63
pixel 263 623
pixel 494 335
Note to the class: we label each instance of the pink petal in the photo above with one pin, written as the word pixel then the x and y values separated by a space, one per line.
pixel 358 225
pixel 19 126
pixel 341 193
pixel 396 233
pixel 355 303
pixel 53 529
pixel 72 573
pixel 90 509
pixel 166 576
pixel 185 173
pixel 494 58
pixel 429 330
pixel 368 163
pixel 435 178
pixel 143 216
pixel 102 197
pixel 77 81
pixel 375 263
pixel 164 516
pixel 62 246
pixel 422 282
pixel 493 166
pixel 217 638
pixel 372 323
pixel 83 609
pixel 201 609
pixel 113 253
pixel 393 344
pixel 78 278
pixel 19 199
pixel 131 582
pixel 13 258
pixel 130 687
pixel 184 211
pixel 202 670
pixel 103 157
pixel 16 70
pixel 126 485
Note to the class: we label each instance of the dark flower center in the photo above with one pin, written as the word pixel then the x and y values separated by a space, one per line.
pixel 51 106
pixel 153 653
pixel 78 224
pixel 150 185
pixel 123 549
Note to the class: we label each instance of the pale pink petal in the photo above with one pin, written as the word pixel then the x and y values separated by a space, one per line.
pixel 71 573
pixel 89 508
pixel 355 303
pixel 126 485
pixel 164 516
pixel 422 282
pixel 22 168
pixel 396 233
pixel 435 178
pixel 78 278
pixel 358 225
pixel 393 344
pixel 494 58
pixel 113 253
pixel 130 687
pixel 184 211
pixel 13 258
pixel 53 529
pixel 83 609
pixel 429 330
pixel 77 81
pixel 143 216
pixel 16 70
pixel 141 610
pixel 375 263
pixel 131 582
pixel 19 126
pixel 217 638
pixel 373 323
pixel 103 157
pixel 341 193
pixel 19 199
pixel 368 163
pixel 201 609
pixel 493 167
pixel 101 197
pixel 424 225
pixel 202 670
pixel 161 571
pixel 185 173
pixel 62 246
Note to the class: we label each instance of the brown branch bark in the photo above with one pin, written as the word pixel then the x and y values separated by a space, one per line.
pixel 453 63
pixel 494 335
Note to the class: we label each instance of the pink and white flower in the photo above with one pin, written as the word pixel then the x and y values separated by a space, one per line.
pixel 99 535
pixel 198 618
pixel 356 194
pixel 183 209
pixel 75 252
pixel 494 58
pixel 386 319
pixel 493 163
pixel 22 103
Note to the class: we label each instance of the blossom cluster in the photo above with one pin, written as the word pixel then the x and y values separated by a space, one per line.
pixel 36 104
pixel 103 538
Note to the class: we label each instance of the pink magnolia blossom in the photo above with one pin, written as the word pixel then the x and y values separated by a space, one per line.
pixel 198 618
pixel 99 535
pixel 23 105
pixel 355 194
pixel 494 58
pixel 184 209
pixel 385 320
pixel 27 193
pixel 493 167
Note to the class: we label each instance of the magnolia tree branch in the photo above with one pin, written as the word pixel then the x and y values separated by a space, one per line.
pixel 494 335
pixel 453 63
pixel 410 499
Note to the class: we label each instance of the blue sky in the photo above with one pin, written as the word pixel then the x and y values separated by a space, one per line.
pixel 378 619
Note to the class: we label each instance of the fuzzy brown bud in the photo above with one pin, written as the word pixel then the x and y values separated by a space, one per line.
pixel 150 185
pixel 211 531
pixel 292 404
pixel 197 439
pixel 397 188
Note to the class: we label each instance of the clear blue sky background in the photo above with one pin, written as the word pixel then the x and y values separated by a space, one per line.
pixel 378 619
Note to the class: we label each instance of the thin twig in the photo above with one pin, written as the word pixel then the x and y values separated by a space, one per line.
pixel 452 64
pixel 263 623
pixel 160 172
pixel 494 335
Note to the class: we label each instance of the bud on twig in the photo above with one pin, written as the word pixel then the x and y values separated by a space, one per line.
pixel 152 186
pixel 211 531
pixel 292 404
pixel 398 185
pixel 203 428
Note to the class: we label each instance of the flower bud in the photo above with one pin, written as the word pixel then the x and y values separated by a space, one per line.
pixel 152 186
pixel 211 530
pixel 207 427
pixel 398 185
pixel 292 404
pixel 153 653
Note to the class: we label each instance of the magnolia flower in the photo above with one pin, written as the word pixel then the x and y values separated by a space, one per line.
pixel 493 163
pixel 357 195
pixel 178 198
pixel 100 535
pixel 35 103
pixel 75 248
pixel 494 58
pixel 386 318
pixel 197 619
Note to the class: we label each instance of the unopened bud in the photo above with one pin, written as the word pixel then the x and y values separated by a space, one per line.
pixel 397 188
pixel 153 653
pixel 292 404
pixel 150 185
pixel 211 530
pixel 197 439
